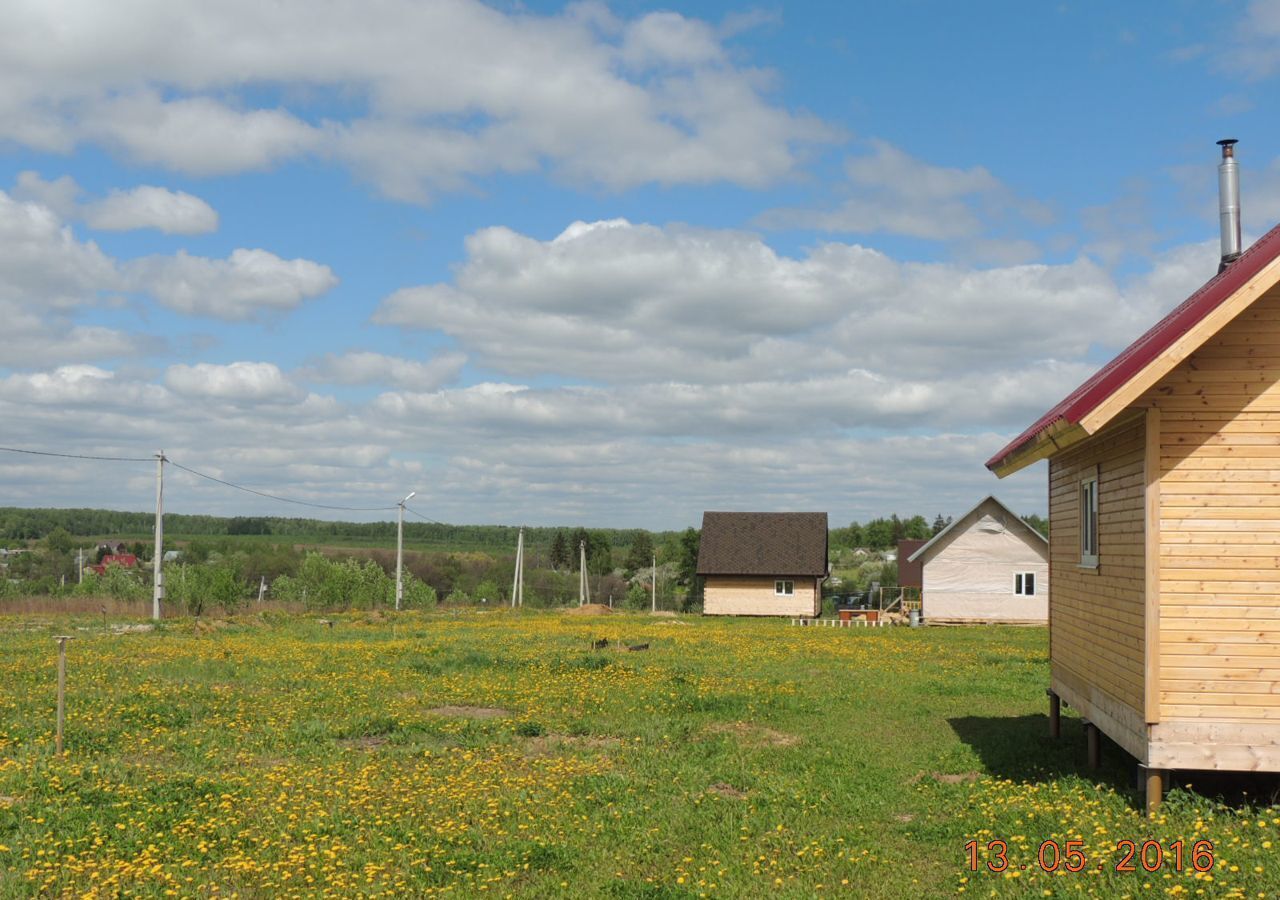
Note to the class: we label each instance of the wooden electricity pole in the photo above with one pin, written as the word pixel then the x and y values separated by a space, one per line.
pixel 653 577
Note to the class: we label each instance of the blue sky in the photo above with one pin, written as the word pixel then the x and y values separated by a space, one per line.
pixel 610 264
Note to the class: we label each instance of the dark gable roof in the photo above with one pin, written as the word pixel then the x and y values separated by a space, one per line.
pixel 754 543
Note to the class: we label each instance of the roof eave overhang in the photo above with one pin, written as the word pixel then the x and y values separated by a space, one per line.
pixel 1058 436
pixel 1122 382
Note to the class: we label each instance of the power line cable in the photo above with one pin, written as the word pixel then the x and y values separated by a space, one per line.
pixel 249 490
pixel 79 455
pixel 422 517
pixel 230 484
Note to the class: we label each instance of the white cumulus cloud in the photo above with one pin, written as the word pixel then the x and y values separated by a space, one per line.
pixel 173 212
pixel 631 303
pixel 247 283
pixel 365 367
pixel 238 382
pixel 430 94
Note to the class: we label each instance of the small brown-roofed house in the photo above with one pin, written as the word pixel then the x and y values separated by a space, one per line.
pixel 1164 511
pixel 763 564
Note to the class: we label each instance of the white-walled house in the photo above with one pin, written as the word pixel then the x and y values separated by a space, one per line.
pixel 986 566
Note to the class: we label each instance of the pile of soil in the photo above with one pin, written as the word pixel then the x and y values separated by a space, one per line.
pixel 591 609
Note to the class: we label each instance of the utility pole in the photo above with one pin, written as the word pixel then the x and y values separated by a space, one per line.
pixel 79 565
pixel 517 583
pixel 62 689
pixel 157 589
pixel 400 550
pixel 582 573
pixel 654 579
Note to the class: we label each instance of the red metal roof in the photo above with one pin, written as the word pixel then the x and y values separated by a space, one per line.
pixel 1134 358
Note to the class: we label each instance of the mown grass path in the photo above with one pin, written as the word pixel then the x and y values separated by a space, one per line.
pixel 501 754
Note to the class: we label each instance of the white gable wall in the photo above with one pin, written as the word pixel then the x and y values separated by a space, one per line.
pixel 970 576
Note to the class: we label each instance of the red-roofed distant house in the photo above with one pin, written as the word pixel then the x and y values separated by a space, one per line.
pixel 124 560
pixel 1164 510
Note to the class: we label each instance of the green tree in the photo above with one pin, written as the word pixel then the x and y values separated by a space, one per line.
pixel 120 584
pixel 688 568
pixel 916 528
pixel 418 594
pixel 638 597
pixel 1039 523
pixel 878 534
pixel 599 554
pixel 59 541
pixel 243 525
pixel 641 554
pixel 196 587
pixel 939 523
pixel 559 552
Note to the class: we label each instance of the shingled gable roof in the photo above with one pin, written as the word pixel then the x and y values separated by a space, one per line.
pixel 755 543
pixel 1096 402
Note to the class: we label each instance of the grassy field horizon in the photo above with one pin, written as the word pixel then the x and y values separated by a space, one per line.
pixel 517 754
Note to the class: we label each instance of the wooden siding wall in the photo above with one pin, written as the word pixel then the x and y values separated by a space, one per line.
pixel 1220 524
pixel 749 595
pixel 1097 615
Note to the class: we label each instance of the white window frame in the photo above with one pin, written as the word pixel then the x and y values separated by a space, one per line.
pixel 1087 498
pixel 1023 580
pixel 784 587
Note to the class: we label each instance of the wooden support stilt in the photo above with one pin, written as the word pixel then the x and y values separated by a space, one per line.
pixel 1094 739
pixel 1055 715
pixel 1157 781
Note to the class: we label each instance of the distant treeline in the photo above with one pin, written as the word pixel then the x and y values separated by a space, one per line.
pixel 17 524
pixel 883 534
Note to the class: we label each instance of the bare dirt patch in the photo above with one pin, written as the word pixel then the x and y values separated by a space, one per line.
pixel 372 742
pixel 132 629
pixel 549 744
pixel 754 735
pixel 904 818
pixel 946 778
pixel 470 712
pixel 727 791
pixel 591 609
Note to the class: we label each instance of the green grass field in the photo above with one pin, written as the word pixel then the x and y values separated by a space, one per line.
pixel 501 754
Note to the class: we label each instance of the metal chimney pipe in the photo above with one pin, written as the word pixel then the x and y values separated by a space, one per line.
pixel 1229 201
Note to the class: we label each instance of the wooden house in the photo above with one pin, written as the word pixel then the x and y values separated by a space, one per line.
pixel 123 560
pixel 1164 509
pixel 910 573
pixel 763 564
pixel 986 566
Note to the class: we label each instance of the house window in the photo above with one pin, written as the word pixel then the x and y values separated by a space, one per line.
pixel 1089 520
pixel 1024 584
pixel 784 588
